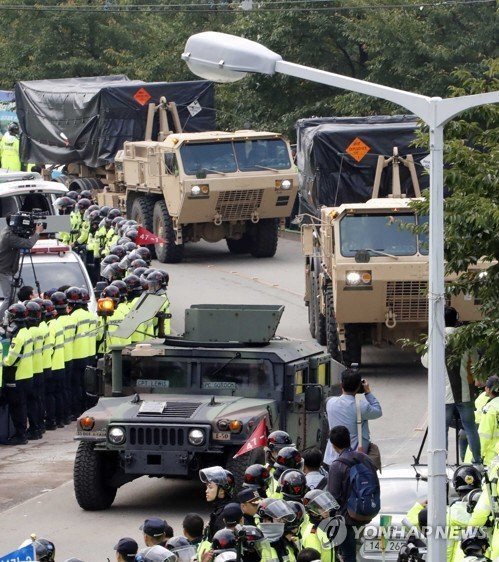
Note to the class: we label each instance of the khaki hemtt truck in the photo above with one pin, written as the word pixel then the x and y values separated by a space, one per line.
pixel 210 186
pixel 191 183
pixel 366 273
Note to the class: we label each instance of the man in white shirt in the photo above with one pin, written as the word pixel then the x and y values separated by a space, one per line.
pixel 342 410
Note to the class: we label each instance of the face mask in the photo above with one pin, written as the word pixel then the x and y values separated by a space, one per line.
pixel 272 531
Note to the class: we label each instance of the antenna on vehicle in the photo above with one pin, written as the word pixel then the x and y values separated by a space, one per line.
pixel 212 401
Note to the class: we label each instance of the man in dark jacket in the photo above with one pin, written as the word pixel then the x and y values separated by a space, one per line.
pixel 339 484
pixel 12 241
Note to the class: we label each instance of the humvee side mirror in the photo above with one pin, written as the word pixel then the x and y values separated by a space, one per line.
pixel 313 398
pixel 92 382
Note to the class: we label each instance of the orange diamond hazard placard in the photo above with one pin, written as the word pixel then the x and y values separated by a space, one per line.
pixel 358 149
pixel 142 96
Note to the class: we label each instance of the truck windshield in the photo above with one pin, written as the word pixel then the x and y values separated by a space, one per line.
pixel 163 375
pixel 227 157
pixel 377 233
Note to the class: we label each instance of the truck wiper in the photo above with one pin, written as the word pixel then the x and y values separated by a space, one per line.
pixel 237 355
pixel 214 171
pixel 266 168
pixel 381 253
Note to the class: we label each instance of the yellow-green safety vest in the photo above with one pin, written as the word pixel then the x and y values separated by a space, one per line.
pixel 81 339
pixel 313 537
pixel 9 153
pixel 38 339
pixel 488 430
pixel 69 327
pixel 56 328
pixel 48 344
pixel 20 355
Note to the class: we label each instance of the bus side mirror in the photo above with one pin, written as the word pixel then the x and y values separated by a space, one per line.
pixel 313 398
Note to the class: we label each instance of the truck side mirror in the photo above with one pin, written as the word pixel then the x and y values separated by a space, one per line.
pixel 170 162
pixel 313 398
pixel 92 380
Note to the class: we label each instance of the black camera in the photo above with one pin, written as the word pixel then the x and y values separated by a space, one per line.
pixel 24 223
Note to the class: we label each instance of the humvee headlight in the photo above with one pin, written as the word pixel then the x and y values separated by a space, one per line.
pixel 196 437
pixel 358 278
pixel 195 190
pixel 223 425
pixel 116 435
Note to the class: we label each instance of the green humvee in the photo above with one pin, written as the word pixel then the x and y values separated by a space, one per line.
pixel 184 403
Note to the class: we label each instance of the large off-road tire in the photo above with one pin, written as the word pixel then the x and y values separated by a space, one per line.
pixel 142 212
pixel 168 252
pixel 333 341
pixel 353 345
pixel 238 465
pixel 241 246
pixel 263 238
pixel 91 491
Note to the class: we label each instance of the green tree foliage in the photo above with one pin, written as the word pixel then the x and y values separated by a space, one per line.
pixel 471 179
pixel 412 48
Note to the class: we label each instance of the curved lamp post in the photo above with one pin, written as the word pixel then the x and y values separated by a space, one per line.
pixel 226 58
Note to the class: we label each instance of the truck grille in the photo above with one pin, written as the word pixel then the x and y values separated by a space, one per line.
pixel 238 204
pixel 407 300
pixel 159 436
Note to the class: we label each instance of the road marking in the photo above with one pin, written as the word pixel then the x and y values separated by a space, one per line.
pixel 255 279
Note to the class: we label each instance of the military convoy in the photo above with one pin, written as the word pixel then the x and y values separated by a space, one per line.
pixel 192 183
pixel 174 406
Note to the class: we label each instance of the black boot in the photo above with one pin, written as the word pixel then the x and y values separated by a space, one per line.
pixel 17 440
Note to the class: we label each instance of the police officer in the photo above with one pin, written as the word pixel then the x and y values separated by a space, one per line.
pixel 68 327
pixel 9 149
pixel 135 289
pixel 474 547
pixel 35 408
pixel 287 458
pixel 488 429
pixel 93 328
pixel 274 514
pixel 80 349
pixel 93 247
pixel 319 505
pixel 257 477
pixel 220 486
pixel 52 389
pixel 18 371
pixel 110 324
pixel 77 218
pixel 157 283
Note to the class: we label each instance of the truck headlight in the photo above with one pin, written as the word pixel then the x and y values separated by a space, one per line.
pixel 116 435
pixel 201 190
pixel 284 184
pixel 196 437
pixel 358 278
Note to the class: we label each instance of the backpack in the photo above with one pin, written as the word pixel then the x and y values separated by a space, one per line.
pixel 363 502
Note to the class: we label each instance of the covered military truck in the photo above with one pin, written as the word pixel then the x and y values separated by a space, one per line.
pixel 190 183
pixel 366 269
pixel 190 402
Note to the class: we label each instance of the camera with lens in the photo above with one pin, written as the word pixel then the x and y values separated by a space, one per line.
pixel 24 223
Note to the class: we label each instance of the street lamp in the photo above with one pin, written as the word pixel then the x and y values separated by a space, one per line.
pixel 226 58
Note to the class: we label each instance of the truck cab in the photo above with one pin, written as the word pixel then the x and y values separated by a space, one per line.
pixel 190 402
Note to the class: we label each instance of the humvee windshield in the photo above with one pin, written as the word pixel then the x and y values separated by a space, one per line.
pixel 381 233
pixel 165 375
pixel 227 157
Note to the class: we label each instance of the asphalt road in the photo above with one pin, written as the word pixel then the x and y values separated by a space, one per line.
pixel 36 494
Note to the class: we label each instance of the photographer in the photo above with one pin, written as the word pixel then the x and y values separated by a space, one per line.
pixel 20 234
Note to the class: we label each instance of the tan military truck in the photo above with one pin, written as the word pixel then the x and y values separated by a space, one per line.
pixel 366 272
pixel 212 185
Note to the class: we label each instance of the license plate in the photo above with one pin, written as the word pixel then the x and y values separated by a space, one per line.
pixel 221 436
pixel 374 545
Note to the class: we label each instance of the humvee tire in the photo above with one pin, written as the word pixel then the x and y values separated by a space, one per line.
pixel 241 246
pixel 263 238
pixel 169 252
pixel 333 342
pixel 91 491
pixel 353 345
pixel 238 465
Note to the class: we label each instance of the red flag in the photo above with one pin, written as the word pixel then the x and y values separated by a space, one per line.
pixel 146 238
pixel 257 439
